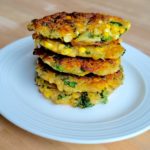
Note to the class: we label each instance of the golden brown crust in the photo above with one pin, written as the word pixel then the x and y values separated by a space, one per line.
pixel 78 66
pixel 80 28
pixel 72 83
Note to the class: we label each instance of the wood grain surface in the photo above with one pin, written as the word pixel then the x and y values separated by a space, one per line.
pixel 14 15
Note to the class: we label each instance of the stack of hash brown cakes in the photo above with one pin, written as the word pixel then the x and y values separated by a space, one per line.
pixel 79 56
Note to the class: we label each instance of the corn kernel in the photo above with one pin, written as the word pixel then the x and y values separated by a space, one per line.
pixel 121 30
pixel 77 33
pixel 61 46
pixel 82 49
pixel 75 95
pixel 108 26
pixel 66 51
pixel 47 94
pixel 68 38
pixel 107 30
pixel 115 29
pixel 106 34
pixel 100 21
pixel 48 45
pixel 116 36
pixel 128 26
pixel 68 17
pixel 95 57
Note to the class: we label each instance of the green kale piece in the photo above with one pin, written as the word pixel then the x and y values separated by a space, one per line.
pixel 70 83
pixel 87 52
pixel 104 96
pixel 105 39
pixel 58 68
pixel 116 23
pixel 61 96
pixel 84 101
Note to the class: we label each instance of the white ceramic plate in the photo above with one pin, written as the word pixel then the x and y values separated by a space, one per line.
pixel 126 115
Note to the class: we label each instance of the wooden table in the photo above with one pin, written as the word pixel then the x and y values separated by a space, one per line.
pixel 14 15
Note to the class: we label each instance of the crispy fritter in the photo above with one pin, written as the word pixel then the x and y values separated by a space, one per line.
pixel 113 50
pixel 80 28
pixel 77 99
pixel 78 66
pixel 72 83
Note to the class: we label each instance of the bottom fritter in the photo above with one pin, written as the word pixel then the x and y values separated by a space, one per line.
pixel 76 99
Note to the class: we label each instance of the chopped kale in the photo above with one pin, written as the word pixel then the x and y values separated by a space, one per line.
pixel 61 96
pixel 71 84
pixel 123 52
pixel 84 101
pixel 116 23
pixel 90 35
pixel 87 52
pixel 105 39
pixel 104 96
pixel 58 68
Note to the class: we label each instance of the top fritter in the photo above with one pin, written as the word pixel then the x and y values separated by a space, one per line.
pixel 80 28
